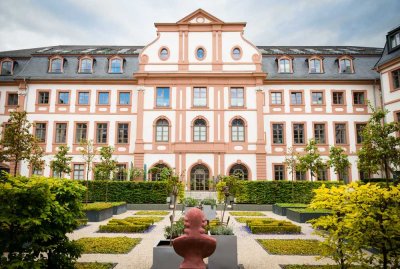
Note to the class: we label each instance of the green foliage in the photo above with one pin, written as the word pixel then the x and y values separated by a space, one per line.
pixel 272 226
pixel 221 230
pixel 190 202
pixel 161 213
pixel 380 145
pixel 18 144
pixel 107 167
pixel 296 266
pixel 118 203
pixel 35 216
pixel 291 205
pixel 247 213
pixel 271 192
pixel 88 153
pixel 310 210
pixel 135 173
pixel 129 225
pixel 109 245
pixel 210 202
pixel 98 206
pixel 153 192
pixel 338 160
pixel 177 229
pixel 220 191
pixel 291 246
pixel 93 265
pixel 246 219
pixel 61 163
pixel 311 160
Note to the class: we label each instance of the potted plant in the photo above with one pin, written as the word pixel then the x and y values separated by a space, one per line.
pixel 98 211
pixel 119 207
pixel 225 255
pixel 189 202
pixel 209 208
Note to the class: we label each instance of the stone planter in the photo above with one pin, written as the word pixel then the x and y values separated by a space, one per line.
pixel 210 212
pixel 303 217
pixel 119 209
pixel 99 215
pixel 225 255
pixel 251 207
pixel 164 256
pixel 281 210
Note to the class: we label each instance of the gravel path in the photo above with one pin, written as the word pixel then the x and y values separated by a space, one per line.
pixel 250 254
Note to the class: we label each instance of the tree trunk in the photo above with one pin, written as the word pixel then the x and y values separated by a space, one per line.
pixel 15 168
pixel 387 173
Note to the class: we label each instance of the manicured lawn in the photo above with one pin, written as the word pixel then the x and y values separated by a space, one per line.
pixel 93 265
pixel 110 245
pixel 297 266
pixel 156 213
pixel 291 246
pixel 247 213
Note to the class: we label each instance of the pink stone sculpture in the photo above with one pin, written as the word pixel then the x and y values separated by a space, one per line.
pixel 194 245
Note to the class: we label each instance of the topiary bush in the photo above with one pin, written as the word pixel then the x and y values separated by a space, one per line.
pixel 35 216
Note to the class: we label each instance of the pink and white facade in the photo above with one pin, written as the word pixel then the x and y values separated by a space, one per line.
pixel 200 99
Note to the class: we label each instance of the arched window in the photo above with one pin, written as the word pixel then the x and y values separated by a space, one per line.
pixel 116 65
pixel 284 66
pixel 156 171
pixel 56 65
pixel 237 130
pixel 199 176
pixel 315 65
pixel 86 65
pixel 200 130
pixel 6 68
pixel 164 54
pixel 345 65
pixel 236 53
pixel 240 171
pixel 162 130
pixel 200 54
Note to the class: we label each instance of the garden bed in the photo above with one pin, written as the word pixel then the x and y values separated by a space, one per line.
pixel 327 266
pixel 247 213
pixel 99 211
pixel 108 245
pixel 129 225
pixel 94 265
pixel 119 208
pixel 154 213
pixel 245 219
pixel 281 208
pixel 291 246
pixel 303 215
pixel 272 226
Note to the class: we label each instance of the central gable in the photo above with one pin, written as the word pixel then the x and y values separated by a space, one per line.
pixel 200 16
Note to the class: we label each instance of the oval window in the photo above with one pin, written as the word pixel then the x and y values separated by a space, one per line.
pixel 164 53
pixel 200 53
pixel 236 53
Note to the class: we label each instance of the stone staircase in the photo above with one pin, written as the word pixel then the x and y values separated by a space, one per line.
pixel 199 195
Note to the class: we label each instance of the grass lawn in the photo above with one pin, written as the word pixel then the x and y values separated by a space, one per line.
pixel 109 245
pixel 155 213
pixel 291 246
pixel 246 213
pixel 93 265
pixel 297 266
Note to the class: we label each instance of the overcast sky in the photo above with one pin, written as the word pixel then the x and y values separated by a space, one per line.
pixel 39 23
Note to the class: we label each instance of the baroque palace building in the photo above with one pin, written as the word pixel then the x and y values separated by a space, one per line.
pixel 201 99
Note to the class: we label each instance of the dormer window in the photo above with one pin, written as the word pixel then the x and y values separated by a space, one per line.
pixel 56 65
pixel 285 65
pixel 86 65
pixel 115 65
pixel 394 41
pixel 7 67
pixel 346 65
pixel 315 65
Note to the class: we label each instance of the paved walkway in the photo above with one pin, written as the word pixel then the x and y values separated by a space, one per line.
pixel 250 254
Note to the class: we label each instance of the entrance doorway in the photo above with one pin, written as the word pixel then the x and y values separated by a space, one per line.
pixel 199 176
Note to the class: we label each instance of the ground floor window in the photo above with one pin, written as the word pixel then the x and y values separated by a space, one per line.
pixel 240 171
pixel 199 176
pixel 279 172
pixel 79 170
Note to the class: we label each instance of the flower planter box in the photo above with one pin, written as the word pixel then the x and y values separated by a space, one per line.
pixel 119 209
pixel 225 255
pixel 99 215
pixel 210 212
pixel 164 256
pixel 303 217
pixel 281 210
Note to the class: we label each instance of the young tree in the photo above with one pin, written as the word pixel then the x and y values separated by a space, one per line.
pixel 17 142
pixel 107 167
pixel 88 153
pixel 311 160
pixel 61 162
pixel 135 173
pixel 35 160
pixel 380 145
pixel 339 161
pixel 291 162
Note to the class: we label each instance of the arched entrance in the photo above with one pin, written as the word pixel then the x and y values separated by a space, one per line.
pixel 156 171
pixel 240 171
pixel 199 176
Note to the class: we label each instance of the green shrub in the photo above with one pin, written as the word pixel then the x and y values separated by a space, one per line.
pixel 190 202
pixel 291 205
pixel 177 230
pixel 35 216
pixel 82 222
pixel 310 210
pixel 291 246
pixel 118 203
pixel 129 225
pixel 93 265
pixel 210 202
pixel 246 219
pixel 98 206
pixel 110 245
pixel 271 229
pixel 247 213
pixel 221 230
pixel 160 213
pixel 143 192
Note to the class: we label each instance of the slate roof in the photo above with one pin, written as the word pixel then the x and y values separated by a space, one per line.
pixel 386 56
pixel 319 50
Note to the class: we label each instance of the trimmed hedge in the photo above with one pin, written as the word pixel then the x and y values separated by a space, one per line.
pixel 291 246
pixel 271 192
pixel 129 225
pixel 108 245
pixel 247 213
pixel 272 226
pixel 97 206
pixel 152 192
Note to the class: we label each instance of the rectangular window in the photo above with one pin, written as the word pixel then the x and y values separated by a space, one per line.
pixel 79 171
pixel 40 132
pixel 124 98
pixel 123 131
pixel 43 98
pixel 396 79
pixel 279 172
pixel 359 129
pixel 199 96
pixel 394 40
pixel 319 133
pixel 358 98
pixel 83 98
pixel 298 133
pixel 101 133
pixel 340 133
pixel 12 99
pixel 61 133
pixel 162 98
pixel 237 97
pixel 121 172
pixel 300 175
pixel 276 98
pixel 63 98
pixel 337 98
pixel 104 98
pixel 277 133
pixel 81 132
pixel 37 172
pixel 322 175
pixel 296 98
pixel 317 98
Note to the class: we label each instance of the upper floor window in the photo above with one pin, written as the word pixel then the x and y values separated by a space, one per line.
pixel 236 53
pixel 345 65
pixel 319 133
pixel 63 98
pixel 359 130
pixel 276 98
pixel 162 98
pixel 123 133
pixel 115 65
pixel 298 133
pixel 277 133
pixel 7 68
pixel 340 133
pixel 315 65
pixel 338 98
pixel 86 65
pixel 396 79
pixel 200 53
pixel 83 98
pixel 104 98
pixel 61 133
pixel 317 98
pixel 237 97
pixel 296 98
pixel 124 98
pixel 394 41
pixel 162 130
pixel 12 99
pixel 237 130
pixel 200 130
pixel 199 96
pixel 358 98
pixel 56 65
pixel 101 133
pixel 43 98
pixel 81 132
pixel 164 54
pixel 284 66
pixel 40 132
